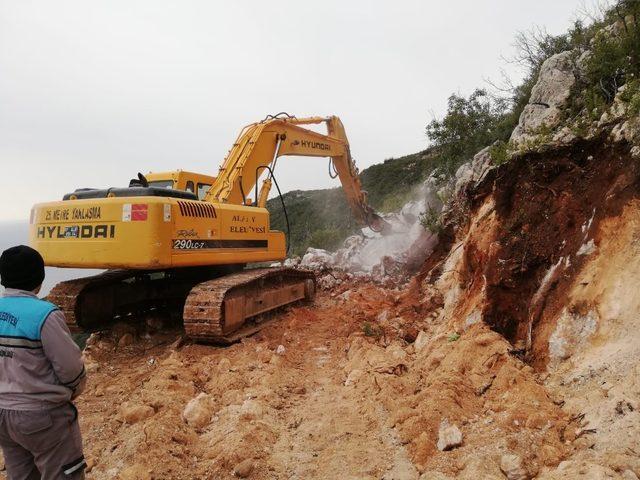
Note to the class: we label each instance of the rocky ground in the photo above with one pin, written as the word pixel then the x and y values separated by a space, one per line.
pixel 328 391
pixel 382 383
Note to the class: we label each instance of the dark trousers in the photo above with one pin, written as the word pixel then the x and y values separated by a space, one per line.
pixel 42 444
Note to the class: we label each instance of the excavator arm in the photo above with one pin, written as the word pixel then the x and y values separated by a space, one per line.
pixel 258 147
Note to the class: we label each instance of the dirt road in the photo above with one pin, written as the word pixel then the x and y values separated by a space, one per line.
pixel 332 390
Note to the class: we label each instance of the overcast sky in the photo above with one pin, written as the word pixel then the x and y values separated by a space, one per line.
pixel 92 92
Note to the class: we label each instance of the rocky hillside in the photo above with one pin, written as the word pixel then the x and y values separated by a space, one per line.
pixel 539 245
pixel 322 219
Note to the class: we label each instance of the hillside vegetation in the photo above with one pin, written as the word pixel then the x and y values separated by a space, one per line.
pixel 322 219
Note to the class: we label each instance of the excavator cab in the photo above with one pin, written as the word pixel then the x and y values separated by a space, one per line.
pixel 196 183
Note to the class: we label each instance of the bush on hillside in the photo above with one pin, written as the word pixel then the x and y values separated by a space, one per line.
pixel 469 125
pixel 614 58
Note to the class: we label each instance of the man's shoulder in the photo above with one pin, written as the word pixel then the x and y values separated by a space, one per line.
pixel 31 303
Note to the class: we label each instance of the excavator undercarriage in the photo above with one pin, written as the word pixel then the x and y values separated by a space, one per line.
pixel 218 310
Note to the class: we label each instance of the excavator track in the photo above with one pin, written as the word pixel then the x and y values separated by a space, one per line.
pixel 94 302
pixel 65 295
pixel 221 310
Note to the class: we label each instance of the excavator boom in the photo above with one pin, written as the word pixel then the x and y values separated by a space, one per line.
pixel 259 145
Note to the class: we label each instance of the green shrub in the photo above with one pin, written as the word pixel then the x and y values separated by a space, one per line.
pixel 499 152
pixel 326 238
pixel 372 330
pixel 453 337
pixel 631 96
pixel 469 125
pixel 395 201
pixel 614 58
pixel 431 220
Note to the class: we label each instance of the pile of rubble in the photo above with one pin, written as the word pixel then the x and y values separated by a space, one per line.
pixel 378 257
pixel 392 257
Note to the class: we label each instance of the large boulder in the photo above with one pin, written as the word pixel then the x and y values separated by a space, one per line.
pixel 548 97
pixel 351 246
pixel 513 467
pixel 317 259
pixel 471 173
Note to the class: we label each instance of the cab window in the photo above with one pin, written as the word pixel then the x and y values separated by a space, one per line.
pixel 203 188
pixel 189 187
pixel 162 184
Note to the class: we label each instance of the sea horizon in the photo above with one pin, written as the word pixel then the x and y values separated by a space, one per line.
pixel 16 232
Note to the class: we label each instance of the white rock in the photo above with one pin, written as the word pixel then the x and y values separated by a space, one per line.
pixel 198 411
pixel 449 436
pixel 628 131
pixel 371 253
pixel 572 333
pixel 251 410
pixel 353 377
pixel 472 172
pixel 280 350
pixel 291 262
pixel 224 365
pixel 92 340
pixel 587 248
pixel 343 258
pixel 513 468
pixel 548 97
pixel 317 259
pixel 344 296
pixel 421 341
pixel 327 282
pixel 243 469
pixel 474 317
pixel 91 366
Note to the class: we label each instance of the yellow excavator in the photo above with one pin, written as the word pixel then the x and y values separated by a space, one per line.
pixel 180 241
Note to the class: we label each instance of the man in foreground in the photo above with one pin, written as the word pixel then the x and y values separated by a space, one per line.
pixel 41 372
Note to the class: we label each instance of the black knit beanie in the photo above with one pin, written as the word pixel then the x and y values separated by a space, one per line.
pixel 21 267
